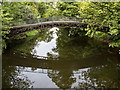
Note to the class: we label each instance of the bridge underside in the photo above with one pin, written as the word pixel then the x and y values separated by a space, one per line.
pixel 17 30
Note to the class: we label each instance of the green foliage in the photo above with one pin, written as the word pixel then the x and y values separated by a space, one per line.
pixel 17 13
pixel 32 33
pixel 68 8
pixel 103 14
pixel 6 23
pixel 42 8
pixel 97 13
pixel 51 10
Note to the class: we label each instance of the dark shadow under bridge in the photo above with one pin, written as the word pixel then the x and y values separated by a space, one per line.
pixel 56 64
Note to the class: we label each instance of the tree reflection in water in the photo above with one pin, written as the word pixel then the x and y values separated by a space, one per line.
pixel 105 76
pixel 70 49
pixel 63 79
pixel 74 54
pixel 12 77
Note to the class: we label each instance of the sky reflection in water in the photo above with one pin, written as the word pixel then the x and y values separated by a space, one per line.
pixel 43 48
pixel 79 62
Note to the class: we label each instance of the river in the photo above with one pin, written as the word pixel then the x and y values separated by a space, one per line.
pixel 53 59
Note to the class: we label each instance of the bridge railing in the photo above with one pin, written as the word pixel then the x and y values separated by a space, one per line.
pixel 54 18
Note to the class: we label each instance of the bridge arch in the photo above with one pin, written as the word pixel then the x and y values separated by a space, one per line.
pixel 57 21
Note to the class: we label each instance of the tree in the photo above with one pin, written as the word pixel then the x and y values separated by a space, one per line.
pixel 68 8
pixel 103 14
pixel 16 13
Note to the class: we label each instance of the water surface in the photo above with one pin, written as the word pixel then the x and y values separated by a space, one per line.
pixel 53 59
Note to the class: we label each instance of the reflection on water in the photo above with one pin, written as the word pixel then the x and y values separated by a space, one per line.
pixel 43 48
pixel 52 59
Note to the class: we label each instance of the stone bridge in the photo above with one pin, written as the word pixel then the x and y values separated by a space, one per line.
pixel 58 21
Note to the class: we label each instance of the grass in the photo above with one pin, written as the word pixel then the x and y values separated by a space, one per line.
pixel 27 34
pixel 32 33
